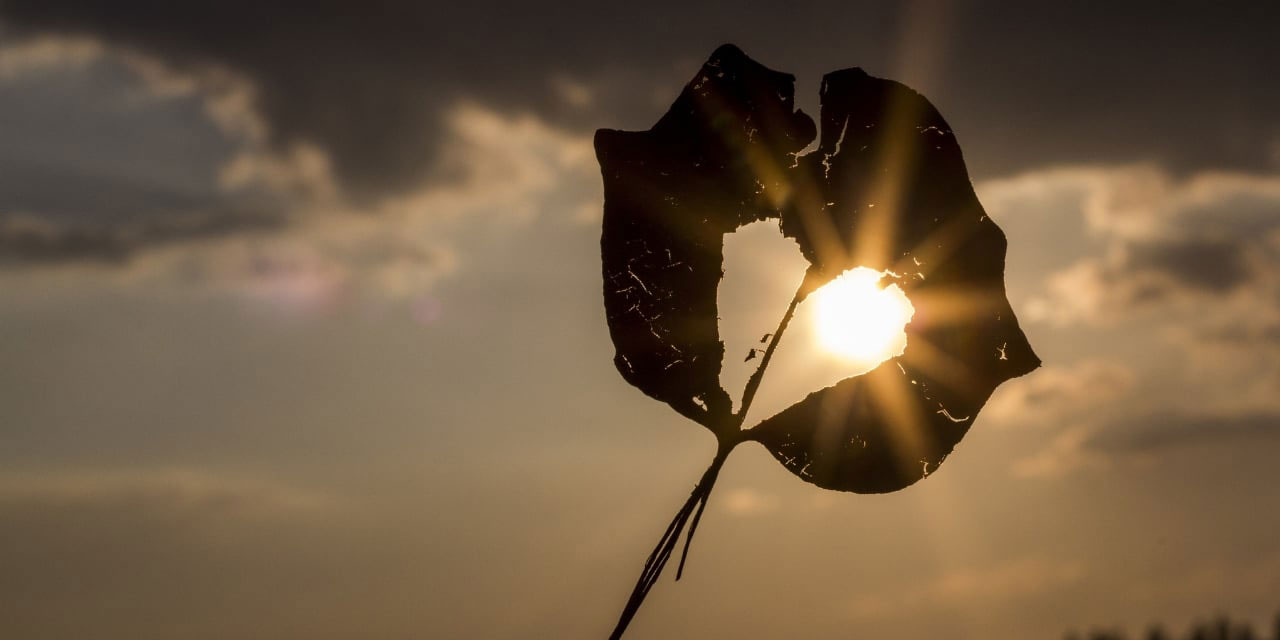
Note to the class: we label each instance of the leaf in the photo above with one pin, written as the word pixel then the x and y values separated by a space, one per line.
pixel 716 161
pixel 887 188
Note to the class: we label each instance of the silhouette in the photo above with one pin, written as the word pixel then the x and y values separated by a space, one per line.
pixel 1220 628
pixel 886 188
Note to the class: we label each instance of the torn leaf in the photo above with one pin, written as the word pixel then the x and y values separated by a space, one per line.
pixel 716 161
pixel 886 189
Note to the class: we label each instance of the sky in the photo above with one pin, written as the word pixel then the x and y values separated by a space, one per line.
pixel 304 336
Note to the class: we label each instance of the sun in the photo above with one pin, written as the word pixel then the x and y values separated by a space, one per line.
pixel 858 320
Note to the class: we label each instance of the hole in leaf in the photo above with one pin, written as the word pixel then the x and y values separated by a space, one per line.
pixel 844 329
pixel 762 269
pixel 857 319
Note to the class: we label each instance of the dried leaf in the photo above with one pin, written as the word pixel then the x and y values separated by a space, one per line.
pixel 887 189
pixel 713 163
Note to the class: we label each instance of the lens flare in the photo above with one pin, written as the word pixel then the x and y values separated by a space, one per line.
pixel 858 320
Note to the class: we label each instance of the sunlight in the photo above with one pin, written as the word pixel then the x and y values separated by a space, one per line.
pixel 858 320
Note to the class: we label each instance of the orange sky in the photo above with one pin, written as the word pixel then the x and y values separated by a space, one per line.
pixel 304 339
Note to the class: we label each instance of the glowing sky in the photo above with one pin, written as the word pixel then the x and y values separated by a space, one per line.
pixel 302 327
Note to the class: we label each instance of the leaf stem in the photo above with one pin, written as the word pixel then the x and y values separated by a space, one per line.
pixel 753 383
pixel 729 435
pixel 662 552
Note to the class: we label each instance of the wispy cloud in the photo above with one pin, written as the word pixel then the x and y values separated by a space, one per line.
pixel 179 491
pixel 1185 265
pixel 1168 244
pixel 277 225
pixel 1005 582
pixel 750 502
pixel 1059 394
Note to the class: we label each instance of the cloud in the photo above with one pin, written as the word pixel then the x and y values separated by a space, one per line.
pixel 1188 266
pixel 1166 431
pixel 1168 245
pixel 272 229
pixel 111 154
pixel 1065 403
pixel 1001 583
pixel 28 240
pixel 749 502
pixel 1059 394
pixel 1245 334
pixel 367 88
pixel 45 53
pixel 262 219
pixel 173 491
pixel 507 171
pixel 1151 276
pixel 1208 265
pixel 1064 453
pixel 1147 436
pixel 347 112
pixel 1174 280
pixel 352 101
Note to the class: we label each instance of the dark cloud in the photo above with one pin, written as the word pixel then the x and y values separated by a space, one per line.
pixel 98 164
pixel 1143 275
pixel 1189 84
pixel 1201 245
pixel 1214 266
pixel 1164 431
pixel 67 215
pixel 1247 335
pixel 26 241
pixel 67 194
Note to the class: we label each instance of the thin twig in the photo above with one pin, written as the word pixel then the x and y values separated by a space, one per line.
pixel 729 436
pixel 753 383
pixel 662 552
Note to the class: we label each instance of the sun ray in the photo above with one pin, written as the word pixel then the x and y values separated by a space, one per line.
pixel 939 366
pixel 895 398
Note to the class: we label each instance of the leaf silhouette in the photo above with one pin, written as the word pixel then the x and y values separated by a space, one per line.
pixel 887 189
pixel 711 164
